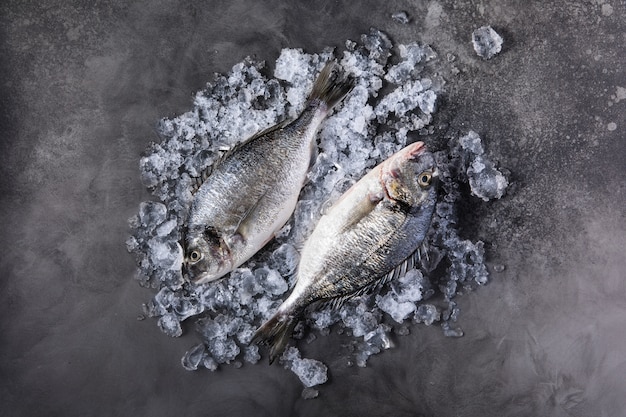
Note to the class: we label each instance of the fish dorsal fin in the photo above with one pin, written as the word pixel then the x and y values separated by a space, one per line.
pixel 257 135
pixel 196 182
pixel 277 126
pixel 225 153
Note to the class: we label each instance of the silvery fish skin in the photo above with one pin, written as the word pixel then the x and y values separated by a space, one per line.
pixel 252 191
pixel 371 230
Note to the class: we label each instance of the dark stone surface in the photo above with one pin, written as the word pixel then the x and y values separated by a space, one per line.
pixel 83 86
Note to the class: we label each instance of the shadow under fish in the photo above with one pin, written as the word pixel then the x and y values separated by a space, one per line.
pixel 369 236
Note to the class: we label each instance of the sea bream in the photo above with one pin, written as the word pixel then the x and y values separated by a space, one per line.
pixel 251 192
pixel 368 236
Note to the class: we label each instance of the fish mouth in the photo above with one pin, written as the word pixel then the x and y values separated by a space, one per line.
pixel 200 278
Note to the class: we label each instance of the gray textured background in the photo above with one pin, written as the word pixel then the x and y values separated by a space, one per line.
pixel 83 86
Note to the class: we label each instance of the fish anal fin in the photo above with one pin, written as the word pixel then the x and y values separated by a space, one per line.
pixel 409 263
pixel 337 302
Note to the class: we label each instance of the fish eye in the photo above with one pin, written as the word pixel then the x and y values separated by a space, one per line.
pixel 194 256
pixel 424 178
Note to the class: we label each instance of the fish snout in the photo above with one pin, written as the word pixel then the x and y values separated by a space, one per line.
pixel 414 150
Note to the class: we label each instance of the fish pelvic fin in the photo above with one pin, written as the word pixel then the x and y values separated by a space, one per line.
pixel 331 85
pixel 275 333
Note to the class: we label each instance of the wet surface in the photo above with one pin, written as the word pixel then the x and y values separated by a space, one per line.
pixel 83 89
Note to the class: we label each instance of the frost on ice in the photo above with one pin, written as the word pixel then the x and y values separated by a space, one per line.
pixel 371 124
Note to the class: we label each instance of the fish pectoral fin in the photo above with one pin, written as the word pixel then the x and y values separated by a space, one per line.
pixel 409 263
pixel 361 209
pixel 250 217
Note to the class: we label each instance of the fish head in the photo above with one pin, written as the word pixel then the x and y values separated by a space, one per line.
pixel 207 256
pixel 410 176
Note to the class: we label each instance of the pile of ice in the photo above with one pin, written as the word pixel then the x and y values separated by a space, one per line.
pixel 394 98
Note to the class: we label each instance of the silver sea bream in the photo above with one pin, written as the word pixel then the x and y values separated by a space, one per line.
pixel 365 238
pixel 252 191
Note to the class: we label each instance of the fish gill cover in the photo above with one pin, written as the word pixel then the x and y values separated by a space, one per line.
pixel 392 103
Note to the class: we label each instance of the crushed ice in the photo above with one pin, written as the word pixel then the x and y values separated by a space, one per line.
pixel 371 124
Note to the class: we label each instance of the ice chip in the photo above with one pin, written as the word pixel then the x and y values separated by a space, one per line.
pixel 152 213
pixel 169 324
pixel 427 314
pixel 165 254
pixel 132 244
pixel 310 371
pixel 186 307
pixel 412 54
pixel 166 228
pixel 379 338
pixel 271 281
pixel 194 357
pixel 284 259
pixel 472 143
pixel 210 363
pixel 451 332
pixel 149 167
pixel 486 182
pixel 426 101
pixel 401 17
pixel 251 354
pixel 223 350
pixel 397 310
pixel 487 43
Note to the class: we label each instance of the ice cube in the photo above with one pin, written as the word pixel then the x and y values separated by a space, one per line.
pixel 451 332
pixel 401 17
pixel 169 324
pixel 166 228
pixel 165 254
pixel 251 354
pixel 223 350
pixel 487 42
pixel 284 259
pixel 310 371
pixel 396 309
pixel 472 143
pixel 271 281
pixel 194 357
pixel 152 213
pixel 486 182
pixel 427 314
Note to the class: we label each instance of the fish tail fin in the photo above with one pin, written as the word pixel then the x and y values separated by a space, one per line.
pixel 331 85
pixel 275 333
